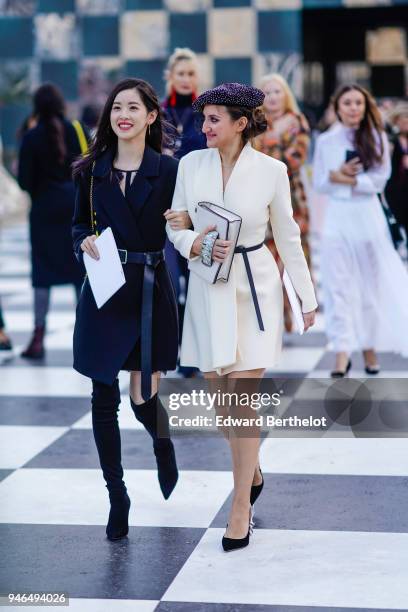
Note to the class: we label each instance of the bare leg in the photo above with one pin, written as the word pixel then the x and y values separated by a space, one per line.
pixel 370 358
pixel 218 383
pixel 341 361
pixel 244 443
pixel 135 388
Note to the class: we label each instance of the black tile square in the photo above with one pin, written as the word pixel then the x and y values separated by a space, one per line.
pixel 329 503
pixel 80 561
pixel 42 411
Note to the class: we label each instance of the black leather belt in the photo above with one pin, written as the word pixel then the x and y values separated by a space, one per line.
pixel 244 251
pixel 150 260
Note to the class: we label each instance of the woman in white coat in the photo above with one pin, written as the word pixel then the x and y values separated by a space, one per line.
pixel 365 284
pixel 230 331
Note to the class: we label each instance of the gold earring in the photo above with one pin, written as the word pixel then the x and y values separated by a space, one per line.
pixel 148 129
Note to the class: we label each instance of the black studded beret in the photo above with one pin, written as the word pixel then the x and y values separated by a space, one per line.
pixel 230 94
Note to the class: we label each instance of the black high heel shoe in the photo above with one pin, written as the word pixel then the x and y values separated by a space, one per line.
pixel 118 523
pixel 372 369
pixel 256 490
pixel 341 373
pixel 229 544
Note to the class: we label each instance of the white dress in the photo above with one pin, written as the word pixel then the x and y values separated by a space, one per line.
pixel 221 330
pixel 364 281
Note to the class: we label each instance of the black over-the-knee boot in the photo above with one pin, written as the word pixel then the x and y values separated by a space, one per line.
pixel 152 414
pixel 105 404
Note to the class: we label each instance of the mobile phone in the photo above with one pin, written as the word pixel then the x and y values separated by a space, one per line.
pixel 351 154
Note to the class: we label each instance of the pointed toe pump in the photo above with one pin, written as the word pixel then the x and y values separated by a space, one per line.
pixel 230 544
pixel 374 369
pixel 341 373
pixel 256 490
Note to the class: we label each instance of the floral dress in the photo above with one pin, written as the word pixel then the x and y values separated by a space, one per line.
pixel 291 148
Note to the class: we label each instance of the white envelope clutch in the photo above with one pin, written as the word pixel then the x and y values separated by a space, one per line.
pixel 228 225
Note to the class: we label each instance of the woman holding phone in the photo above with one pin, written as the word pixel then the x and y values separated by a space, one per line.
pixel 233 331
pixel 125 183
pixel 365 284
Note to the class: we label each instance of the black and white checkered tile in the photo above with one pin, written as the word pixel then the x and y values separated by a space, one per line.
pixel 331 525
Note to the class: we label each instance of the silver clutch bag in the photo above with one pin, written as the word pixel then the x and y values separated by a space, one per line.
pixel 228 226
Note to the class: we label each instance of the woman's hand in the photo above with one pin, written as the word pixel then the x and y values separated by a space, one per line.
pixel 336 176
pixel 89 247
pixel 352 167
pixel 309 319
pixel 220 248
pixel 177 219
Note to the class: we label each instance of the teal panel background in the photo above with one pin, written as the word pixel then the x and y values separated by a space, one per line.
pixel 189 31
pixel 233 70
pixel 16 37
pixel 64 75
pixel 100 35
pixel 149 70
pixel 279 31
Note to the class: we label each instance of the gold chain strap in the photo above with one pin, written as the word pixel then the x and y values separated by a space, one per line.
pixel 91 202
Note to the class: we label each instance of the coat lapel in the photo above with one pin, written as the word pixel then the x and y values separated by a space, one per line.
pixel 239 178
pixel 124 212
pixel 109 198
pixel 141 186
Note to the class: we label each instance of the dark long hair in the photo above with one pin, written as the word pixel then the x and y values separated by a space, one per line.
pixel 106 138
pixel 49 107
pixel 371 124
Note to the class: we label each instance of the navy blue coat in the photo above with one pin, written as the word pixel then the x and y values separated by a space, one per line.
pixel 52 194
pixel 107 340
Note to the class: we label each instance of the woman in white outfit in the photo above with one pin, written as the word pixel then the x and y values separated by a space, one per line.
pixel 229 331
pixel 365 284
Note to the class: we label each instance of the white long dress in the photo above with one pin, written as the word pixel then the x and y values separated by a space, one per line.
pixel 364 281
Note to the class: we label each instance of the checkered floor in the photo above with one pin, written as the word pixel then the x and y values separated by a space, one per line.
pixel 331 525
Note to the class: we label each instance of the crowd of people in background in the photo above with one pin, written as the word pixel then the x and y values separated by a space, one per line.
pixel 359 155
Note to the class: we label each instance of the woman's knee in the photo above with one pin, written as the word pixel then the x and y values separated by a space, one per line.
pixel 135 387
pixel 105 395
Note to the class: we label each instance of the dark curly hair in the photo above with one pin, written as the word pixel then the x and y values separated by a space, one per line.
pixel 256 120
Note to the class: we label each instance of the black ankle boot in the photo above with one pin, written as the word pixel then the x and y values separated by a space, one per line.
pixel 154 418
pixel 118 523
pixel 105 404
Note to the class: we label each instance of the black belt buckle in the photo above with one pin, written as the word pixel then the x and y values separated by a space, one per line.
pixel 125 255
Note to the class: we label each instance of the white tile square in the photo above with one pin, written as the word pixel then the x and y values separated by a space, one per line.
pixel 59 382
pixel 298 568
pixel 347 456
pixel 296 359
pixel 20 443
pixel 79 497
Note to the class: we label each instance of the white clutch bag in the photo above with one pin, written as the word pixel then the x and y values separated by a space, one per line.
pixel 294 303
pixel 228 226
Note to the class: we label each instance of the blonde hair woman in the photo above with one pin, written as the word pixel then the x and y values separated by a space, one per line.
pixel 286 139
pixel 181 77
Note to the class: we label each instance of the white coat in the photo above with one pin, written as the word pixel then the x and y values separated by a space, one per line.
pixel 221 329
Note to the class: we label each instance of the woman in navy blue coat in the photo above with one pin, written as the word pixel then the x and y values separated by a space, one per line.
pixel 46 154
pixel 125 183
